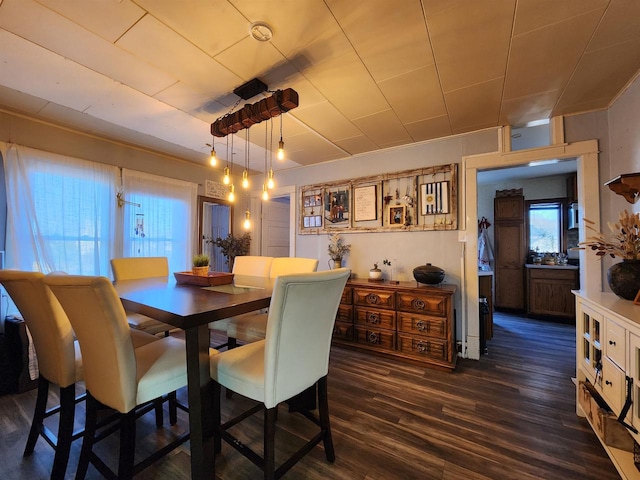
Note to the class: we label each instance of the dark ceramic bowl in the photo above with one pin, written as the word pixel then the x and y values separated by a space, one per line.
pixel 428 274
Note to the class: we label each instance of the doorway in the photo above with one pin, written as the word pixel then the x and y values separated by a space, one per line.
pixel 277 229
pixel 586 154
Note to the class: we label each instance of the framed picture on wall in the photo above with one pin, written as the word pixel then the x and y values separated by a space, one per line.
pixel 396 215
pixel 337 211
pixel 434 198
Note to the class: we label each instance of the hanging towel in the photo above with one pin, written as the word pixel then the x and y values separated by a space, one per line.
pixel 485 254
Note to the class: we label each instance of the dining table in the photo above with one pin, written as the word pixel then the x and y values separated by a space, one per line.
pixel 191 308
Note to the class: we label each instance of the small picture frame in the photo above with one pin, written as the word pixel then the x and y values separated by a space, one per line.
pixel 637 299
pixel 396 215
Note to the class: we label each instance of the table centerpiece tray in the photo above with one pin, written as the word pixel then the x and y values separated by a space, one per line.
pixel 208 280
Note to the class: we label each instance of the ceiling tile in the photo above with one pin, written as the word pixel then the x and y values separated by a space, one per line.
pixel 536 14
pixel 471 42
pixel 518 111
pixel 425 99
pixel 601 74
pixel 250 59
pixel 437 127
pixel 327 121
pixel 475 105
pixel 356 145
pixel 383 128
pixel 20 101
pixel 163 48
pixel 537 65
pixel 201 22
pixel 108 19
pixel 194 102
pixel 620 23
pixel 365 23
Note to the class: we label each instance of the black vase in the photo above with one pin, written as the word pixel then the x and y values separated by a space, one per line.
pixel 624 278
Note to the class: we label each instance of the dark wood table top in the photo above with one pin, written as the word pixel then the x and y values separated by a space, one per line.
pixel 187 306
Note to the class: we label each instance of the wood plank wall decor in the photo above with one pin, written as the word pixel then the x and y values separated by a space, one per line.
pixel 411 200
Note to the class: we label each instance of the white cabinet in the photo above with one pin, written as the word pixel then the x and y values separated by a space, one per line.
pixel 608 357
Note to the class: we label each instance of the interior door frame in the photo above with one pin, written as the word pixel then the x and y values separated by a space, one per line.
pixel 290 192
pixel 586 153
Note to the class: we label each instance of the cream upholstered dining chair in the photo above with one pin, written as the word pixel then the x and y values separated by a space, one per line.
pixel 59 361
pixel 134 268
pixel 293 357
pixel 249 265
pixel 252 326
pixel 117 375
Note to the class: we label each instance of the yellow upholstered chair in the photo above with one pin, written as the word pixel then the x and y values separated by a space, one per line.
pixel 134 268
pixel 251 265
pixel 117 375
pixel 252 327
pixel 292 358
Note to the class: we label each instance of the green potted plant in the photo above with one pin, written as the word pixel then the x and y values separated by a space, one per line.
pixel 200 264
pixel 232 246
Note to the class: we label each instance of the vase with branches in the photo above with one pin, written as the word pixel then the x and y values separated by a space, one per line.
pixel 231 246
pixel 337 249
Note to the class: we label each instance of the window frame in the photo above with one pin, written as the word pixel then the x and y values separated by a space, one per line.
pixel 564 204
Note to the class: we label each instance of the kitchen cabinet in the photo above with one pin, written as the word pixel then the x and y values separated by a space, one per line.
pixel 407 321
pixel 607 353
pixel 549 290
pixel 510 249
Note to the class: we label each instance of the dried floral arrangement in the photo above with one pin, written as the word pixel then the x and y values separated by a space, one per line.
pixel 337 249
pixel 625 242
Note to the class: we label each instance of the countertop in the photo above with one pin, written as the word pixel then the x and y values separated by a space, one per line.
pixel 484 273
pixel 553 267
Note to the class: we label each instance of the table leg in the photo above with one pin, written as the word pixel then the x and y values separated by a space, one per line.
pixel 200 403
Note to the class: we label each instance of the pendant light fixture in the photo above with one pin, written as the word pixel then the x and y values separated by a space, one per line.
pixel 247 219
pixel 226 178
pixel 280 143
pixel 213 160
pixel 270 181
pixel 245 172
pixel 265 190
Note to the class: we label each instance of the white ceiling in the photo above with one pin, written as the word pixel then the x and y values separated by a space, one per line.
pixel 370 75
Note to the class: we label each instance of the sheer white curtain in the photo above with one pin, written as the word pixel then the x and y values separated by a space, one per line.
pixel 60 212
pixel 164 225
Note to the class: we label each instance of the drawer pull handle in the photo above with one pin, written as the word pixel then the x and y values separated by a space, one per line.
pixel 422 326
pixel 607 382
pixel 611 342
pixel 372 298
pixel 373 318
pixel 422 347
pixel 418 304
pixel 373 337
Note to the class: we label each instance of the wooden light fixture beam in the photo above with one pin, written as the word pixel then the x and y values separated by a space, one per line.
pixel 280 102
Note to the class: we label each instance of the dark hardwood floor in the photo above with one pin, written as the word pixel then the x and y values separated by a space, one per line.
pixel 510 415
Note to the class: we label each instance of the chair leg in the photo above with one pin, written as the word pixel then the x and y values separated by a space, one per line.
pixel 269 443
pixel 232 343
pixel 127 445
pixel 173 409
pixel 217 418
pixel 65 431
pixel 323 411
pixel 38 415
pixel 91 420
pixel 157 406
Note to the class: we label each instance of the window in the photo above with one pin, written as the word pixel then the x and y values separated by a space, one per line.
pixel 60 212
pixel 545 226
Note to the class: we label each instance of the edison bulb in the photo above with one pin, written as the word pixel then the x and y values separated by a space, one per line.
pixel 232 195
pixel 281 150
pixel 213 161
pixel 265 193
pixel 270 182
pixel 245 179
pixel 226 179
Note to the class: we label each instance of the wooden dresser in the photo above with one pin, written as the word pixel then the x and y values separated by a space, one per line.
pixel 408 321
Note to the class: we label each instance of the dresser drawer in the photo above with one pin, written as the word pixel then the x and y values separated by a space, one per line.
pixel 347 295
pixel 378 318
pixel 614 343
pixel 423 346
pixel 343 331
pixel 373 336
pixel 429 304
pixel 371 297
pixel 422 325
pixel 344 314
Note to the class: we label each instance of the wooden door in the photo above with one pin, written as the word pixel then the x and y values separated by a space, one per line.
pixel 509 259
